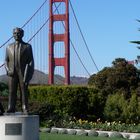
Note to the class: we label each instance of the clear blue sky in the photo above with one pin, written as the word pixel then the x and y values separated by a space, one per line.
pixel 108 26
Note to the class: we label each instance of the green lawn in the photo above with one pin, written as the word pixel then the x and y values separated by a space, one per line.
pixel 49 136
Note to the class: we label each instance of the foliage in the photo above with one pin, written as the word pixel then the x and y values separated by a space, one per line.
pixel 65 102
pixel 3 89
pixel 119 109
pixel 132 111
pixel 3 86
pixel 122 76
pixel 114 108
pixel 136 42
pixel 61 106
pixel 103 126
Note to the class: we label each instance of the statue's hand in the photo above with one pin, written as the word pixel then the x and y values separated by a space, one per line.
pixel 10 73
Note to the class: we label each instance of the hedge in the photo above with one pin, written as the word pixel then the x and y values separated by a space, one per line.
pixel 63 102
pixel 59 104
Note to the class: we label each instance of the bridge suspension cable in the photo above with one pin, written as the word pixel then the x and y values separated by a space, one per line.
pixel 26 22
pixel 85 42
pixel 45 22
pixel 43 25
pixel 1 65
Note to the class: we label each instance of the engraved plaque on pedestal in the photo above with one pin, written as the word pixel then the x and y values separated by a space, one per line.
pixel 13 129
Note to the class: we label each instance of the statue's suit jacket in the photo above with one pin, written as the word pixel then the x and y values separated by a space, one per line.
pixel 25 57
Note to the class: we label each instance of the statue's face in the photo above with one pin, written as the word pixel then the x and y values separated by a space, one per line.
pixel 18 34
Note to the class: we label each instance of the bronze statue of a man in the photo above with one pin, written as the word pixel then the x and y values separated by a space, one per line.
pixel 19 65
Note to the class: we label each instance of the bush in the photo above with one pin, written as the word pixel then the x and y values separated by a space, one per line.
pixel 132 111
pixel 73 101
pixel 60 105
pixel 114 108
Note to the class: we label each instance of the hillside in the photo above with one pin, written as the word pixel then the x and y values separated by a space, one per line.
pixel 40 78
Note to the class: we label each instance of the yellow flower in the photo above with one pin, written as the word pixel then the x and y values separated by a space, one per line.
pixel 80 121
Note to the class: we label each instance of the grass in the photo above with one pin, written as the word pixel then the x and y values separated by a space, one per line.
pixel 49 136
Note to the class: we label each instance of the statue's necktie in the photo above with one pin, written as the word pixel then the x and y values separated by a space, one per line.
pixel 17 54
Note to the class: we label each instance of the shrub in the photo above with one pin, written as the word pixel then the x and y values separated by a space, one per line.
pixel 60 105
pixel 74 101
pixel 132 111
pixel 114 108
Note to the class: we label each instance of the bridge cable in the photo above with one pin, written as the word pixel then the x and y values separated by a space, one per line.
pixel 83 36
pixel 42 28
pixel 75 50
pixel 2 65
pixel 42 25
pixel 26 22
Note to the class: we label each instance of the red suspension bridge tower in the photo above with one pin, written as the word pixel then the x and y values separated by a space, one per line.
pixel 55 37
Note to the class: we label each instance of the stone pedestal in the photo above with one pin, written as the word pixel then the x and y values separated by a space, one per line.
pixel 19 127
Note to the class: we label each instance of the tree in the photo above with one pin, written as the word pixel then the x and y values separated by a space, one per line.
pixel 122 76
pixel 132 111
pixel 114 108
pixel 3 89
pixel 138 43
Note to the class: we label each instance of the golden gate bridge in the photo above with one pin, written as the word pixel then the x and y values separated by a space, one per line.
pixel 56 46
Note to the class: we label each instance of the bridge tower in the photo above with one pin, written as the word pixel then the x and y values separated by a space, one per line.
pixel 56 37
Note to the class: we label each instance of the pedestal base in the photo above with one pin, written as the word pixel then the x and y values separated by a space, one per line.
pixel 19 127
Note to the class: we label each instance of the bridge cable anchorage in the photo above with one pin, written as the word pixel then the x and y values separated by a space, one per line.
pixel 26 22
pixel 2 65
pixel 43 25
pixel 75 50
pixel 83 36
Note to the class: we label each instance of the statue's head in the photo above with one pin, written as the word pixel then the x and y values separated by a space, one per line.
pixel 18 33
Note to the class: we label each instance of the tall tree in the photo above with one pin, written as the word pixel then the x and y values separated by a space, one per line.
pixel 121 76
pixel 138 43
